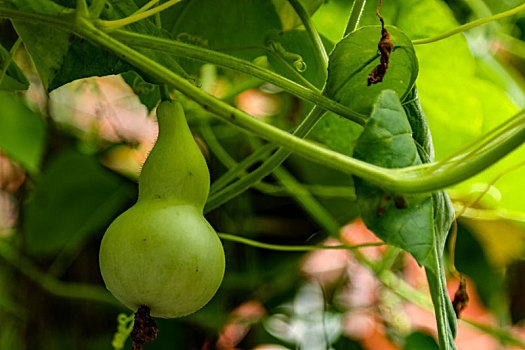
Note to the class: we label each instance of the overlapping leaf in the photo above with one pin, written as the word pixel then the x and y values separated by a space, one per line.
pixel 422 227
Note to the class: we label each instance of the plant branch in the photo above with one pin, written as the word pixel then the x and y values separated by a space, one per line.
pixel 147 6
pixel 241 167
pixel 137 16
pixel 308 202
pixel 355 15
pixel 180 49
pixel 96 7
pixel 470 25
pixel 315 38
pixel 82 8
pixel 65 20
pixel 267 167
pixel 292 248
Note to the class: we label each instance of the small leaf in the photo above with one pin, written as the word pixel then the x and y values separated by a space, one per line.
pixel 22 132
pixel 355 56
pixel 14 79
pixel 74 198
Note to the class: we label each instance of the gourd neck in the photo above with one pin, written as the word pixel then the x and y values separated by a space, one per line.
pixel 175 169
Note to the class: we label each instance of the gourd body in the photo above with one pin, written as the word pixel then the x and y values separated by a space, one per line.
pixel 162 253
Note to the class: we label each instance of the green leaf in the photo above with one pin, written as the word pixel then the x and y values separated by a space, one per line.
pixel 422 227
pixel 236 27
pixel 22 132
pixel 13 79
pixel 355 56
pixel 419 341
pixel 75 198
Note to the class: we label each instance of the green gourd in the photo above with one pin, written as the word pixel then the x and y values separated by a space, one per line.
pixel 161 252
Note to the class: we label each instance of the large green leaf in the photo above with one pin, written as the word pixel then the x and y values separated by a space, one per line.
pixel 13 79
pixel 355 57
pixel 22 132
pixel 422 227
pixel 236 27
pixel 75 198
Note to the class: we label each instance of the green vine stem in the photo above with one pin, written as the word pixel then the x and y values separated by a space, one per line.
pixel 292 248
pixel 96 7
pixel 237 170
pixel 315 38
pixel 241 167
pixel 82 8
pixel 267 167
pixel 56 287
pixel 119 23
pixel 227 160
pixel 306 200
pixel 470 25
pixel 483 142
pixel 147 6
pixel 198 53
pixel 355 15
